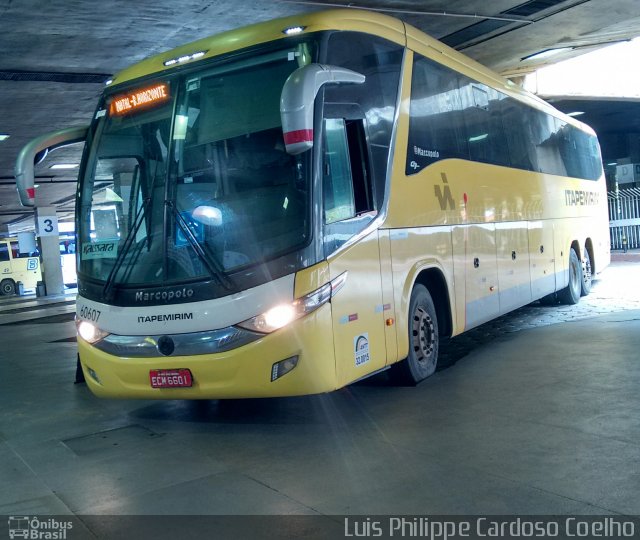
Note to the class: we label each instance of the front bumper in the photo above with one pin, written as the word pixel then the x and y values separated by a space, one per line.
pixel 244 372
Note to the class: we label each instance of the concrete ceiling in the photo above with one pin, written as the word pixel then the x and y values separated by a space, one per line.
pixel 55 55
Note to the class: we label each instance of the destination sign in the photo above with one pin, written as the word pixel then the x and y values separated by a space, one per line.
pixel 139 99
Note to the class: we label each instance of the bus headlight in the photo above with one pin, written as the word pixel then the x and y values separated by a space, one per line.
pixel 284 314
pixel 89 332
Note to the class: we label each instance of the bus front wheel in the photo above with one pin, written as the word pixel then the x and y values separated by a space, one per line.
pixel 571 293
pixel 423 340
pixel 7 287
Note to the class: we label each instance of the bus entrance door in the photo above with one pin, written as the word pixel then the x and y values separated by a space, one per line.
pixel 357 311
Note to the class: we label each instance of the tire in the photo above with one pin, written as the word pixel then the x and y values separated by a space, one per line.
pixel 7 287
pixel 571 293
pixel 423 340
pixel 587 276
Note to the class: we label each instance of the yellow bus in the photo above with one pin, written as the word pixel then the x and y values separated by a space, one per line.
pixel 289 207
pixel 16 267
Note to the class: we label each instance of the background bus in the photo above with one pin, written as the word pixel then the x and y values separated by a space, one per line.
pixel 68 260
pixel 288 208
pixel 17 267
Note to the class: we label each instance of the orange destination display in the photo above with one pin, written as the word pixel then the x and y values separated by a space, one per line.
pixel 139 99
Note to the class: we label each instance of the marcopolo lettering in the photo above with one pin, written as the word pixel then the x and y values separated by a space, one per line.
pixel 163 317
pixel 575 197
pixel 163 296
pixel 426 153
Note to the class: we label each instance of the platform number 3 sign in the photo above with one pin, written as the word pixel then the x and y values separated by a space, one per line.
pixel 48 226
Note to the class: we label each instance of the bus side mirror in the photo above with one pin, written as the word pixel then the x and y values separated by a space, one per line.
pixel 36 149
pixel 296 101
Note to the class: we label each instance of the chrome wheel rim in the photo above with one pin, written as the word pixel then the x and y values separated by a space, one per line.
pixel 586 269
pixel 423 336
pixel 574 269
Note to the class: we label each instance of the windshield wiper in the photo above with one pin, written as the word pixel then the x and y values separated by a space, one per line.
pixel 212 264
pixel 128 241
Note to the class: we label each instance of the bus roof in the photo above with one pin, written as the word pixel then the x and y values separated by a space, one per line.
pixel 240 38
pixel 358 20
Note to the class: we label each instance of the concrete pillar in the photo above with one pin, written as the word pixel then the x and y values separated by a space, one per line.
pixel 47 228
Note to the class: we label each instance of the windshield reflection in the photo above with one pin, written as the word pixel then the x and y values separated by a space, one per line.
pixel 198 185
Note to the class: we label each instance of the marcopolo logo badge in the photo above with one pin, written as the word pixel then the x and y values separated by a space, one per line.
pixel 38 529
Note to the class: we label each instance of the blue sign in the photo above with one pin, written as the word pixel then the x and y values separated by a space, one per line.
pixel 197 229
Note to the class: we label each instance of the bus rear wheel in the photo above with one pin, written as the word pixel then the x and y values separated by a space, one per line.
pixel 571 293
pixel 7 287
pixel 423 340
pixel 587 276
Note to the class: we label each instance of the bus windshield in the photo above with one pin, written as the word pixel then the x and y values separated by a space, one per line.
pixel 187 178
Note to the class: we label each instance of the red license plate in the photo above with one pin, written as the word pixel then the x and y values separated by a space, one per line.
pixel 170 378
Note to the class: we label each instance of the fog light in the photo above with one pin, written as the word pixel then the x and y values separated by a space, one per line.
pixel 94 375
pixel 283 367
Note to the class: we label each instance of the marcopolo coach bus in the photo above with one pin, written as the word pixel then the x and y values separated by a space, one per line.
pixel 289 207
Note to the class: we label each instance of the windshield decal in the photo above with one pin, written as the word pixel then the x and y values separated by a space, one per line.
pixel 100 250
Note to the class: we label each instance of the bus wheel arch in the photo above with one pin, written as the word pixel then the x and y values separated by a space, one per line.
pixel 428 319
pixel 434 281
pixel 7 287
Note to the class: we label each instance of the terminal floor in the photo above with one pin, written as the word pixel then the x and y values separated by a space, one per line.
pixel 536 413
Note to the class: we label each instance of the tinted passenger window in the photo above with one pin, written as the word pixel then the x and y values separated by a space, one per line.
pixel 437 130
pixel 4 252
pixel 483 120
pixel 518 136
pixel 453 116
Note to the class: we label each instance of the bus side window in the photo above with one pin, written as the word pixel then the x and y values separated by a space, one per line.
pixel 347 189
pixel 337 183
pixel 347 186
pixel 4 252
pixel 380 61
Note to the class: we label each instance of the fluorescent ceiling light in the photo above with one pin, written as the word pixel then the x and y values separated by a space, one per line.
pixel 3 136
pixel 547 53
pixel 612 163
pixel 64 166
pixel 478 137
pixel 575 113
